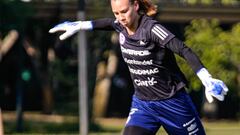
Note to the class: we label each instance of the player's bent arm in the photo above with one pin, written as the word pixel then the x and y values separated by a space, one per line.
pixel 178 47
pixel 213 87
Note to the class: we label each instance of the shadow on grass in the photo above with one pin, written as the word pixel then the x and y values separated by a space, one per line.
pixel 51 127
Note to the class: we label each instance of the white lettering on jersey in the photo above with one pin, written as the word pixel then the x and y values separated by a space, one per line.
pixel 148 82
pixel 144 72
pixel 136 62
pixel 159 32
pixel 134 52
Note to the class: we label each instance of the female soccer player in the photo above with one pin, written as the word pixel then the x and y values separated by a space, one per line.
pixel 148 49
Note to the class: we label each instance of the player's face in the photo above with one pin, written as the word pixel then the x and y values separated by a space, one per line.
pixel 125 12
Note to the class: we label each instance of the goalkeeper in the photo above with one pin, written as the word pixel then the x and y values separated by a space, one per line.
pixel 148 49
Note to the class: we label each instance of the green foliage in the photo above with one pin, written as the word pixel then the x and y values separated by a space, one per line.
pixel 64 72
pixel 65 81
pixel 219 51
pixel 229 2
pixel 99 3
pixel 208 2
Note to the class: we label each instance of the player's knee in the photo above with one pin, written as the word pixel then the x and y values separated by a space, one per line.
pixel 136 130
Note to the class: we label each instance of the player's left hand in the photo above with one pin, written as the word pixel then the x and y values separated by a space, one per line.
pixel 70 28
pixel 213 87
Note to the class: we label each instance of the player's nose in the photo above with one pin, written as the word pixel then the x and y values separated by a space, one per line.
pixel 121 17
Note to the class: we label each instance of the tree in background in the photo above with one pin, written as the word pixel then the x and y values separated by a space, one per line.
pixel 209 2
pixel 219 51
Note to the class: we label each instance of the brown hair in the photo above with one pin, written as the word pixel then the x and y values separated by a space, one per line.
pixel 146 7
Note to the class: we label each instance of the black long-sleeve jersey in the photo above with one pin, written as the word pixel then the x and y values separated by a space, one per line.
pixel 149 54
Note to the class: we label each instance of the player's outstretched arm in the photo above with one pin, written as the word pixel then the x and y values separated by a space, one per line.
pixel 213 87
pixel 71 28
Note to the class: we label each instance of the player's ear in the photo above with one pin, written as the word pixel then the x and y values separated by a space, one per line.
pixel 136 5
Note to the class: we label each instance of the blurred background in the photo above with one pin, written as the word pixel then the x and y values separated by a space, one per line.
pixel 39 73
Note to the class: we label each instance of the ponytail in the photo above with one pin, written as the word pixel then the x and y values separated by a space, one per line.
pixel 147 7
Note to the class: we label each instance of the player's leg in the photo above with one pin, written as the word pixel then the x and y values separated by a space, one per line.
pixel 178 115
pixel 141 121
pixel 136 130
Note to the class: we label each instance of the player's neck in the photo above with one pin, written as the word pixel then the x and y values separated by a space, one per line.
pixel 133 28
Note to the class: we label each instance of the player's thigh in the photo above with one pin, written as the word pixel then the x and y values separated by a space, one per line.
pixel 180 116
pixel 190 127
pixel 141 120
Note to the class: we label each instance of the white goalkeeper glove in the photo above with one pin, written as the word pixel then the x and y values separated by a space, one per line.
pixel 213 87
pixel 71 28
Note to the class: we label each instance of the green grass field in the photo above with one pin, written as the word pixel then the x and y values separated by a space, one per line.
pixel 220 127
pixel 39 124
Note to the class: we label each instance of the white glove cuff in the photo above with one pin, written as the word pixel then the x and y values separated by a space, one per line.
pixel 203 74
pixel 85 25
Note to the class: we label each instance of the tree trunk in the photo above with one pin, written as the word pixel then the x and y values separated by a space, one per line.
pixel 105 71
pixel 210 110
pixel 1 123
pixel 47 95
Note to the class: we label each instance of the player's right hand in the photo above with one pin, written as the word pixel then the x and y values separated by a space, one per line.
pixel 71 28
